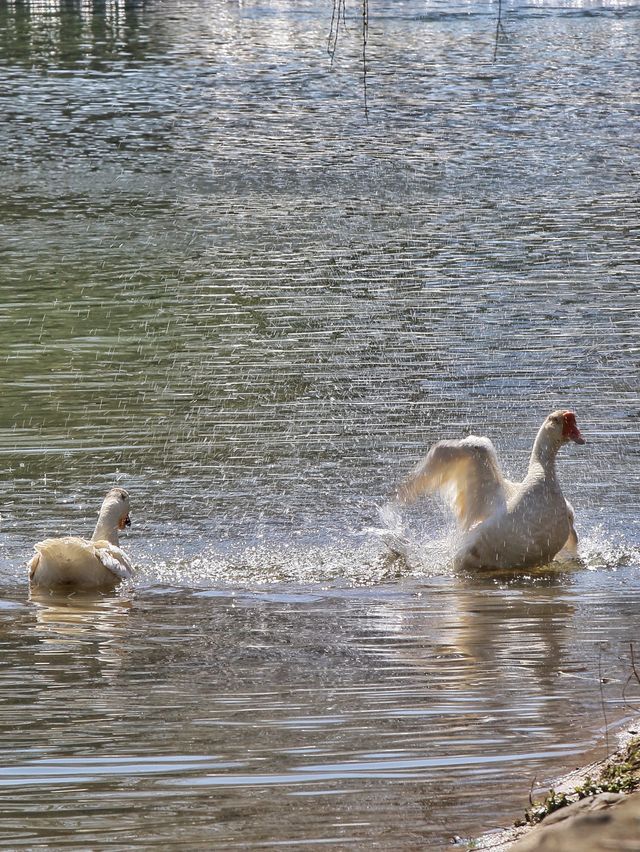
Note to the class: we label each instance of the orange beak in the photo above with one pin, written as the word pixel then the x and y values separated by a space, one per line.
pixel 124 522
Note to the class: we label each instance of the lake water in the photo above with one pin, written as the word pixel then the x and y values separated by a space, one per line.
pixel 228 289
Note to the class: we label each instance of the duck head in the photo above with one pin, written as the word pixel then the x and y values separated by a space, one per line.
pixel 114 515
pixel 562 427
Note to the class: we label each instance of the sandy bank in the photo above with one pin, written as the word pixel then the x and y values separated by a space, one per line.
pixel 593 809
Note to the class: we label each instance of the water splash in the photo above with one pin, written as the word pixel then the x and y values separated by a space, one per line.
pixel 374 556
pixel 365 556
pixel 428 542
pixel 600 550
pixel 425 548
pixel 349 562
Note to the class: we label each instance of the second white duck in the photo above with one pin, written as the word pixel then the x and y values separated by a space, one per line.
pixel 77 563
pixel 503 524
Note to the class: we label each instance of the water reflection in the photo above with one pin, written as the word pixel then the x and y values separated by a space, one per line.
pixel 321 710
pixel 89 630
pixel 537 606
pixel 64 35
pixel 511 632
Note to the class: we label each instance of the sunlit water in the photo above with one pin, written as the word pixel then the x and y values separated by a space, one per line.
pixel 226 290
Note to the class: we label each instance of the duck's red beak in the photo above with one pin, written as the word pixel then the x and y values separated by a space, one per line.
pixel 570 429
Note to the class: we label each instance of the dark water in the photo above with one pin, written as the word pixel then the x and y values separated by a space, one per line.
pixel 225 289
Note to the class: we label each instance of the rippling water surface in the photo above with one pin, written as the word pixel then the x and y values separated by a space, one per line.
pixel 224 288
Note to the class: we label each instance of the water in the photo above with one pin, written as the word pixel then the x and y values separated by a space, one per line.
pixel 225 289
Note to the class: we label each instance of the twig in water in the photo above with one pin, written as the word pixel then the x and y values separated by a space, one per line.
pixel 338 14
pixel 365 36
pixel 634 674
pixel 499 29
pixel 633 664
pixel 604 712
pixel 338 19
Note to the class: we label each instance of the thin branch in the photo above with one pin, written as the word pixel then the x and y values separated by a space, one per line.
pixel 633 664
pixel 499 29
pixel 634 674
pixel 365 36
pixel 338 12
pixel 604 712
pixel 339 19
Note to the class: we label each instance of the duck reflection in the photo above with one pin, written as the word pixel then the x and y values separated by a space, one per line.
pixel 76 624
pixel 516 627
pixel 493 634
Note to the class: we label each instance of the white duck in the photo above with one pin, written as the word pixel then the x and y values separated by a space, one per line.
pixel 504 524
pixel 80 564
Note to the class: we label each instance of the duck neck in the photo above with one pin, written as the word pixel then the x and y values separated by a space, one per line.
pixel 543 455
pixel 106 530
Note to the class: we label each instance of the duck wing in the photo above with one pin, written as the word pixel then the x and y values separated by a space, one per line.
pixel 32 565
pixel 113 558
pixel 570 548
pixel 466 473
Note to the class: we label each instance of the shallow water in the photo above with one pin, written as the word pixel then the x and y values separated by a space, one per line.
pixel 226 290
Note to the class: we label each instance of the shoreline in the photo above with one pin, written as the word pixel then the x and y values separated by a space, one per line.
pixel 572 817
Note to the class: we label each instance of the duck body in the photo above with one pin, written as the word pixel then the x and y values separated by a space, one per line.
pixel 503 524
pixel 531 530
pixel 77 563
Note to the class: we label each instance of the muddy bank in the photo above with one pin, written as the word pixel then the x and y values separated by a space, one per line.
pixel 593 809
